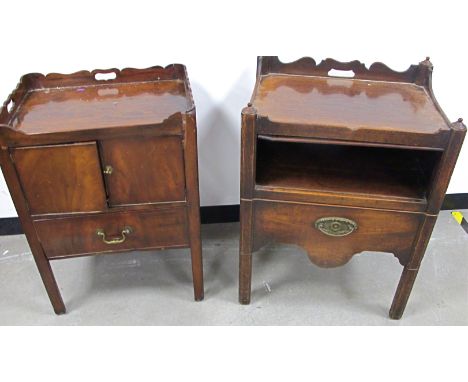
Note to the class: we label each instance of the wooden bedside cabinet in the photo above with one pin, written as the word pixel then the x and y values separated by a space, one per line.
pixel 103 165
pixel 340 165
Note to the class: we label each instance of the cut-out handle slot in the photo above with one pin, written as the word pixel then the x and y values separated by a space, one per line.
pixel 341 73
pixel 105 76
pixel 10 105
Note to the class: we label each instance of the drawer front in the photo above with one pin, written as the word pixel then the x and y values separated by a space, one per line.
pixel 122 231
pixel 61 178
pixel 143 170
pixel 332 235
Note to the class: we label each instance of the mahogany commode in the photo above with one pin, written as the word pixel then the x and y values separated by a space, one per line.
pixel 339 165
pixel 103 165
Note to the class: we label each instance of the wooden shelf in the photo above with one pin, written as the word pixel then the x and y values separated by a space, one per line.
pixel 334 168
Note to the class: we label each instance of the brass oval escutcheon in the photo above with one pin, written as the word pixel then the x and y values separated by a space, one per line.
pixel 336 226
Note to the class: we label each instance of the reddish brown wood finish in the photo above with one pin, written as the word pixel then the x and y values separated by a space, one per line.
pixel 77 236
pixel 375 150
pixel 157 78
pixel 61 178
pixel 58 134
pixel 411 269
pixel 386 173
pixel 293 223
pixel 245 250
pixel 42 263
pixel 247 183
pixel 100 106
pixel 395 106
pixel 377 105
pixel 144 169
pixel 193 202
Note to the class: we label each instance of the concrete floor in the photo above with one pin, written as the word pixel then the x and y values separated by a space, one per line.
pixel 154 288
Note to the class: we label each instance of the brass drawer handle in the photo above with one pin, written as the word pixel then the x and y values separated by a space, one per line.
pixel 108 170
pixel 335 226
pixel 116 240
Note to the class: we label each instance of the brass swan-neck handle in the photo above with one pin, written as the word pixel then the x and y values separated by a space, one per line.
pixel 114 240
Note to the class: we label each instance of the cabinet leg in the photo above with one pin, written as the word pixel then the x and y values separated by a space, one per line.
pixel 197 268
pixel 402 293
pixel 245 276
pixel 193 202
pixel 411 269
pixel 245 252
pixel 48 278
pixel 41 260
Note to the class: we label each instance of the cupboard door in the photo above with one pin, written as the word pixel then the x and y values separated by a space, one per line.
pixel 143 170
pixel 61 178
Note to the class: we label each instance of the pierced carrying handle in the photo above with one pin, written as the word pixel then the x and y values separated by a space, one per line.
pixel 343 69
pixel 115 240
pixel 376 71
pixel 8 106
pixel 105 74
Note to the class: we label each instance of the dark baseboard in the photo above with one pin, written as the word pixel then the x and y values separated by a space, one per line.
pixel 10 226
pixel 455 202
pixel 219 214
pixel 229 214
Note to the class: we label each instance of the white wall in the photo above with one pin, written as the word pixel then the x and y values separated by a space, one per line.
pixel 219 42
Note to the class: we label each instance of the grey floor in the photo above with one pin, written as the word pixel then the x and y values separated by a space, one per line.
pixel 154 288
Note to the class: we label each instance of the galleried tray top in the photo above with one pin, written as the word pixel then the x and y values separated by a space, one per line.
pixel 377 98
pixel 80 101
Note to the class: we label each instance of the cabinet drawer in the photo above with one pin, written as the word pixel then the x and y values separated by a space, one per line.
pixel 332 235
pixel 119 231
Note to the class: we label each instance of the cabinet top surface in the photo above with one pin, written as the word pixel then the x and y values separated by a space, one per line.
pixel 94 100
pixel 347 102
pixel 99 106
